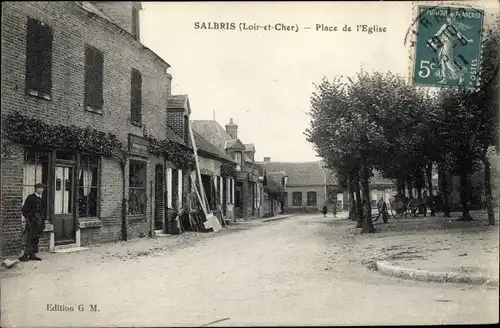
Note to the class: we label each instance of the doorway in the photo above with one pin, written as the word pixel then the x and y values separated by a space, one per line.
pixel 64 219
pixel 159 198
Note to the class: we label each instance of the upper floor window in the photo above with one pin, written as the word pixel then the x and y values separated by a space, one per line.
pixel 135 23
pixel 238 157
pixel 39 59
pixel 136 98
pixel 311 198
pixel 94 64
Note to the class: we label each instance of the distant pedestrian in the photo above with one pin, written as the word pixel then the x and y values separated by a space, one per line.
pixel 34 213
pixel 325 210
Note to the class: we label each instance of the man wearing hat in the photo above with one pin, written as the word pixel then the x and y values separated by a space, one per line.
pixel 33 212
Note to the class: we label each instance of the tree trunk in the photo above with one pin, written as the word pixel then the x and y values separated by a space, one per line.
pixel 352 202
pixel 367 224
pixel 359 205
pixel 398 186
pixel 421 207
pixel 430 201
pixel 410 190
pixel 403 188
pixel 465 194
pixel 444 193
pixel 487 190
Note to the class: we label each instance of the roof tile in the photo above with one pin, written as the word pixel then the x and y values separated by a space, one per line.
pixel 302 173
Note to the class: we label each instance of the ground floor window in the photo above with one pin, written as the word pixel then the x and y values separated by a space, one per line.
pixel 137 188
pixel 88 186
pixel 311 198
pixel 296 198
pixel 35 170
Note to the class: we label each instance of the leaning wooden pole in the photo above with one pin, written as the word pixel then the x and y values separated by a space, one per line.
pixel 202 198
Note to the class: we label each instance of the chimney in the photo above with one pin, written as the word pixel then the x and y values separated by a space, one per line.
pixel 123 13
pixel 169 86
pixel 267 159
pixel 232 129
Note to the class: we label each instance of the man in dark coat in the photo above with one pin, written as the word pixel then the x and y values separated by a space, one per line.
pixel 34 213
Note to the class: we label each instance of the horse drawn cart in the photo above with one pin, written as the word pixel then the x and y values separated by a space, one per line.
pixel 404 206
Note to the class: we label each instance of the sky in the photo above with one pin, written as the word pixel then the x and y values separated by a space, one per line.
pixel 263 80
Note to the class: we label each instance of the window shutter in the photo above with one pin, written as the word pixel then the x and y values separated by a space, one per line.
pixel 94 65
pixel 39 39
pixel 47 38
pixel 89 63
pixel 136 97
pixel 31 55
pixel 98 79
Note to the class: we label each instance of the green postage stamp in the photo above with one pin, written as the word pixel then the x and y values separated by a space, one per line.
pixel 448 47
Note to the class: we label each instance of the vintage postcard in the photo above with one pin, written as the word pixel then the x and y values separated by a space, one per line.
pixel 203 164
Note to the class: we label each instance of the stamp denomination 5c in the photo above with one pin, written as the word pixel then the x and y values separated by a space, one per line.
pixel 448 46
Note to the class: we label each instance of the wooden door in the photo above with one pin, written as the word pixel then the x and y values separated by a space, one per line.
pixel 64 219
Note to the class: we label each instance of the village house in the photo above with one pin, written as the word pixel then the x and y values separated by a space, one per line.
pixel 248 188
pixel 218 186
pixel 83 104
pixel 309 185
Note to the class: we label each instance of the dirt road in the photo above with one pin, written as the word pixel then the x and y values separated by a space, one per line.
pixel 298 271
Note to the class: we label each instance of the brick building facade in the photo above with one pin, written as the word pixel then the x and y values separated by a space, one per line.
pixel 91 70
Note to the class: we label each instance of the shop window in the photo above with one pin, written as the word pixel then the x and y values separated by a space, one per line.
pixel 88 186
pixel 311 198
pixel 296 198
pixel 35 170
pixel 137 188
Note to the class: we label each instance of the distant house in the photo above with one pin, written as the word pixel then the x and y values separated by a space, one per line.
pixel 309 184
pixel 248 189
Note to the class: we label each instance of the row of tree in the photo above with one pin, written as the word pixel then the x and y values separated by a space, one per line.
pixel 378 121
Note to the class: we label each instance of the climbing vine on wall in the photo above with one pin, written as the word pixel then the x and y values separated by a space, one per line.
pixel 35 132
pixel 228 170
pixel 180 155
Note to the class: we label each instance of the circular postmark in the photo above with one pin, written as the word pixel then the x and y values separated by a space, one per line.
pixel 446 43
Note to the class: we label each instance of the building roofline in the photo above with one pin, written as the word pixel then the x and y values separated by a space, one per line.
pixel 131 38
